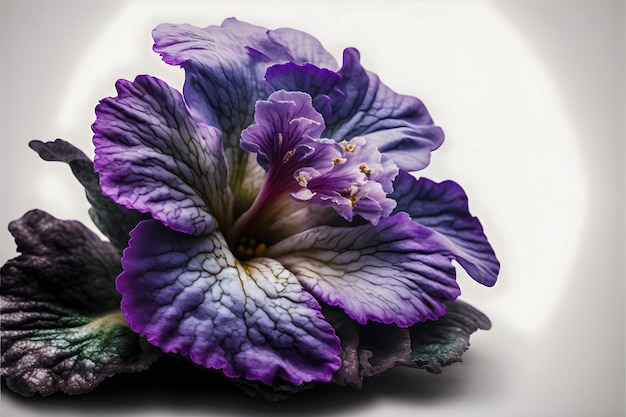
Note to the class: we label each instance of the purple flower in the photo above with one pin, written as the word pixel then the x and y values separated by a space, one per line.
pixel 285 225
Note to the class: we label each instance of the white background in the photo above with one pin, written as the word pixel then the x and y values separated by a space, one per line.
pixel 531 97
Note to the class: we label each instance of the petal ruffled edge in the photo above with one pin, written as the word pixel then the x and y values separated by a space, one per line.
pixel 443 207
pixel 154 157
pixel 189 295
pixel 394 272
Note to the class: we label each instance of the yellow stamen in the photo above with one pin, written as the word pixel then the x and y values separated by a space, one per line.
pixel 241 251
pixel 248 248
pixel 366 170
pixel 288 155
pixel 303 179
pixel 351 194
pixel 260 249
pixel 347 147
pixel 339 160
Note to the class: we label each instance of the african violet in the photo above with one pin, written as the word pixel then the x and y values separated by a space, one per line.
pixel 277 233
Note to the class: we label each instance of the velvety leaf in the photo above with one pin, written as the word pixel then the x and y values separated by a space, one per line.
pixel 113 221
pixel 252 320
pixel 154 157
pixel 60 320
pixel 439 343
pixel 279 390
pixel 443 207
pixel 395 272
pixel 367 350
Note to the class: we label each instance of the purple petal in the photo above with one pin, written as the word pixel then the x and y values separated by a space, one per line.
pixel 283 126
pixel 357 103
pixel 358 182
pixel 320 83
pixel 225 65
pixel 395 272
pixel 443 207
pixel 153 157
pixel 302 47
pixel 350 177
pixel 189 295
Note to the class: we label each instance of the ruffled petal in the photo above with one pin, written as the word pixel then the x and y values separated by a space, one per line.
pixel 153 157
pixel 189 295
pixel 322 84
pixel 443 207
pixel 224 68
pixel 112 220
pixel 284 125
pixel 356 103
pixel 395 272
pixel 60 320
pixel 351 177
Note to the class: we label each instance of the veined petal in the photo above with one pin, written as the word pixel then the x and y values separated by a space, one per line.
pixel 358 182
pixel 230 61
pixel 351 177
pixel 189 295
pixel 61 327
pixel 224 67
pixel 443 207
pixel 395 272
pixel 153 157
pixel 284 125
pixel 356 103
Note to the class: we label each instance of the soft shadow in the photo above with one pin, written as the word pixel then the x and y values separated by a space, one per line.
pixel 178 386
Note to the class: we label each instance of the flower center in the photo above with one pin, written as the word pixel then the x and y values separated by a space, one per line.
pixel 248 248
pixel 350 177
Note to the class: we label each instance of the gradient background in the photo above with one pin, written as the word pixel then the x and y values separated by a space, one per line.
pixel 531 96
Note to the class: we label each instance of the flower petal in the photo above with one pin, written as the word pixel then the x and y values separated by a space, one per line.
pixel 61 324
pixel 357 103
pixel 351 177
pixel 153 157
pixel 224 68
pixel 395 272
pixel 189 295
pixel 225 65
pixel 283 124
pixel 443 207
pixel 439 343
pixel 112 220
pixel 322 84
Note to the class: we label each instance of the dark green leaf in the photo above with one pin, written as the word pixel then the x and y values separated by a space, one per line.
pixel 439 343
pixel 60 320
pixel 113 221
